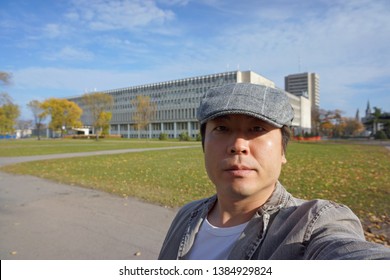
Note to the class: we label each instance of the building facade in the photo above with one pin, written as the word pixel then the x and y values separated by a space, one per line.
pixel 306 84
pixel 177 102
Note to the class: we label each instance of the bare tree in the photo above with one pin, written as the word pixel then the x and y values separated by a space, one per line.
pixel 5 78
pixel 39 115
pixel 145 110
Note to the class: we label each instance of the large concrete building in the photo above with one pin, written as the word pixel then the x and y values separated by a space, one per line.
pixel 177 102
pixel 306 84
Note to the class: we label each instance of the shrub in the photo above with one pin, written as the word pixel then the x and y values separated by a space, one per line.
pixel 184 136
pixel 381 135
pixel 163 136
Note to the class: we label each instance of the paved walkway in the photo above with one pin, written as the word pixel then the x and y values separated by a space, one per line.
pixel 41 219
pixel 13 160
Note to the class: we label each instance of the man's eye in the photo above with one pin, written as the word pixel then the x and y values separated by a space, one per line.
pixel 221 128
pixel 258 129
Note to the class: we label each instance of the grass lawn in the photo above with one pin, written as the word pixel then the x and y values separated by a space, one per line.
pixel 355 175
pixel 30 147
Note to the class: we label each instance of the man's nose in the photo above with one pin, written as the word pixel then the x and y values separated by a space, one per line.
pixel 239 146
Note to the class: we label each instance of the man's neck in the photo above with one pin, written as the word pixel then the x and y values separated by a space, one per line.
pixel 229 212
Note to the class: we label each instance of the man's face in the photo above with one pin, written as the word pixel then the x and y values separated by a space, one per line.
pixel 243 156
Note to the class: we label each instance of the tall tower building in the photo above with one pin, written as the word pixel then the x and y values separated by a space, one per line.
pixel 304 84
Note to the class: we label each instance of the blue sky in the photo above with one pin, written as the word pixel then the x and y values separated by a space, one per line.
pixel 64 48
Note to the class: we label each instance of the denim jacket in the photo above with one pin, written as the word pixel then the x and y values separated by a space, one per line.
pixel 283 228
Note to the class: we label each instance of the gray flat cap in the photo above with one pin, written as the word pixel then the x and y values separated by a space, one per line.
pixel 259 101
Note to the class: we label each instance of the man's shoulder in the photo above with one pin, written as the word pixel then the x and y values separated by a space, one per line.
pixel 318 207
pixel 321 205
pixel 283 199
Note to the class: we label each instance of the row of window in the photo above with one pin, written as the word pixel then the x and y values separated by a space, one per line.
pixel 183 101
pixel 162 115
pixel 153 135
pixel 169 127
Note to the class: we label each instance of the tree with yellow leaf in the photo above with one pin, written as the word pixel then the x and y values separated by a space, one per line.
pixel 352 127
pixel 98 108
pixel 145 110
pixel 105 118
pixel 9 111
pixel 64 114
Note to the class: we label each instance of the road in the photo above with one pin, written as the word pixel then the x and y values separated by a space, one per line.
pixel 44 220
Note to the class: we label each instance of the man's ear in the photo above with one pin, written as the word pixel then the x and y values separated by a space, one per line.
pixel 284 159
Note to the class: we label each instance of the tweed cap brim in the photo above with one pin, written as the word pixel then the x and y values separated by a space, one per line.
pixel 268 104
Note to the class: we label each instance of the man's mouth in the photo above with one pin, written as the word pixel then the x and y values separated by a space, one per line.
pixel 239 170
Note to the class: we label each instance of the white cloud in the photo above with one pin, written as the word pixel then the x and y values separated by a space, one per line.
pixel 119 14
pixel 174 2
pixel 70 54
pixel 52 30
pixel 66 79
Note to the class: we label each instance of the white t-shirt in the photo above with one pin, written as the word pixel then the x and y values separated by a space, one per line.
pixel 214 243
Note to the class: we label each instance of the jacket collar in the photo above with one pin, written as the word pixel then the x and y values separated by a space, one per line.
pixel 278 199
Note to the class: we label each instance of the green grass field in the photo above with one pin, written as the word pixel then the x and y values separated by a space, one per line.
pixel 31 147
pixel 355 175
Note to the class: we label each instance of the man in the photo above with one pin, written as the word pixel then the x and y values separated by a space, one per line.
pixel 245 130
